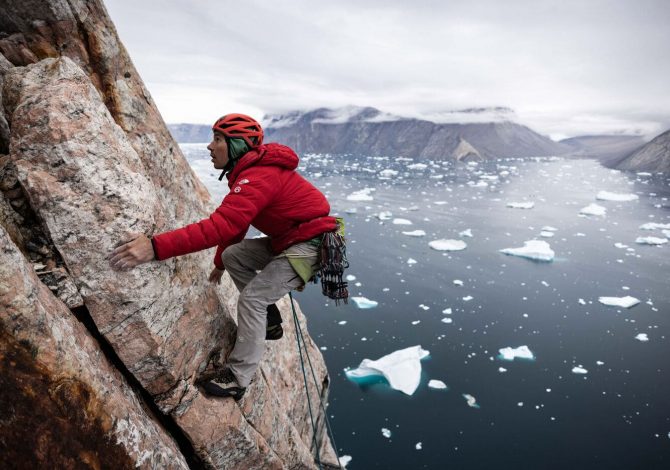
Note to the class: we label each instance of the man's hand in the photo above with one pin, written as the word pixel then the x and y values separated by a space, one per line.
pixel 215 275
pixel 132 253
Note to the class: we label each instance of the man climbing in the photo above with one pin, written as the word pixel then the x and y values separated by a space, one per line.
pixel 266 192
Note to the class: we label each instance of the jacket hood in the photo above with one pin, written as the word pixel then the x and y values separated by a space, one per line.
pixel 266 155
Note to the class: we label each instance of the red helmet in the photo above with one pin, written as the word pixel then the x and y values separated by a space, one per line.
pixel 240 126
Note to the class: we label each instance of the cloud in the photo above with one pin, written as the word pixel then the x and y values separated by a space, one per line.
pixel 565 67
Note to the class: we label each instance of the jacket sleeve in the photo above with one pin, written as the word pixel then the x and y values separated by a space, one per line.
pixel 227 225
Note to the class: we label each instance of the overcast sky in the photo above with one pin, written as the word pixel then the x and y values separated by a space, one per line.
pixel 566 67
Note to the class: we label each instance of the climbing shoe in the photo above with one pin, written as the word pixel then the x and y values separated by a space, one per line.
pixel 224 385
pixel 273 330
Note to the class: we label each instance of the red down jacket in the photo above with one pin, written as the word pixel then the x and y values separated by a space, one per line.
pixel 266 192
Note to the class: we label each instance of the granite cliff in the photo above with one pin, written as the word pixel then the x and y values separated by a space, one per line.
pixel 97 367
pixel 653 157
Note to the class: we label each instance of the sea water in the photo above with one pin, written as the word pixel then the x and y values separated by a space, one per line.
pixel 594 392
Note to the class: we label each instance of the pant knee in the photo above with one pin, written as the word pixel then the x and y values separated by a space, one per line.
pixel 229 256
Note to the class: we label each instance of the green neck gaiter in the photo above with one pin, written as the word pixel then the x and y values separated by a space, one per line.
pixel 236 149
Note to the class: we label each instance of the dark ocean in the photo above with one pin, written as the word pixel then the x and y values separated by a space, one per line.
pixel 596 394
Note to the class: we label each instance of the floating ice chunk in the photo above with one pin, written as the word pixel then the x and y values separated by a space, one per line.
pixel 384 215
pixel 447 245
pixel 418 446
pixel 607 196
pixel 446 320
pixel 666 233
pixel 651 241
pixel 416 322
pixel 458 282
pixel 437 384
pixel 411 261
pixel 620 245
pixel 548 228
pixel 579 370
pixel 532 249
pixel 386 433
pixel 351 277
pixel 502 370
pixel 468 298
pixel 447 311
pixel 522 352
pixel 361 195
pixel 521 205
pixel 344 460
pixel 582 301
pixel 351 210
pixel 624 302
pixel 415 233
pixel 654 226
pixel 546 234
pixel 402 222
pixel 402 368
pixel 388 173
pixel 417 166
pixel 472 401
pixel 593 209
pixel 442 203
pixel 364 302
pixel 642 337
pixel 343 322
pixel 466 233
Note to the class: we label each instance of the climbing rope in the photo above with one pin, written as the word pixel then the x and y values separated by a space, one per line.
pixel 298 337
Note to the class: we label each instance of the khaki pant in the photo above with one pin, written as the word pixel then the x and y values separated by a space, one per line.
pixel 258 290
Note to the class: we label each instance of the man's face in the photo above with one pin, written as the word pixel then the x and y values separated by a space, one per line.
pixel 218 150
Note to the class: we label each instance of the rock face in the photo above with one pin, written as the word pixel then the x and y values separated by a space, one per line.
pixel 606 148
pixel 653 157
pixel 88 161
pixel 367 131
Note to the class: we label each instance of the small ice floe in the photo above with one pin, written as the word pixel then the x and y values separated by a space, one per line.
pixel 468 298
pixel 388 173
pixel 424 307
pixel 418 446
pixel 546 234
pixel 384 215
pixel 623 302
pixel 579 370
pixel 502 370
pixel 642 337
pixel 386 433
pixel 522 352
pixel 533 249
pixel 548 228
pixel 364 302
pixel 437 384
pixel 466 233
pixel 411 261
pixel 654 226
pixel 345 460
pixel 607 196
pixel 415 233
pixel 472 401
pixel 446 320
pixel 442 203
pixel 351 210
pixel 416 322
pixel 447 245
pixel 343 322
pixel 402 222
pixel 447 311
pixel 458 282
pixel 361 195
pixel 651 241
pixel 402 368
pixel 351 277
pixel 581 302
pixel 620 245
pixel 521 205
pixel 666 233
pixel 593 209
pixel 417 166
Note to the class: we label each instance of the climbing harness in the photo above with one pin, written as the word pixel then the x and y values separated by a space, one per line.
pixel 299 337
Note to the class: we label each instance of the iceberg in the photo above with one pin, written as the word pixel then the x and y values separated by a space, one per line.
pixel 361 195
pixel 364 302
pixel 402 368
pixel 437 385
pixel 522 352
pixel 415 233
pixel 447 245
pixel 624 302
pixel 593 209
pixel 521 205
pixel 651 241
pixel 533 249
pixel 607 196
pixel 472 401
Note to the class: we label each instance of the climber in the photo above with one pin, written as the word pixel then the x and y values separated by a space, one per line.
pixel 266 192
